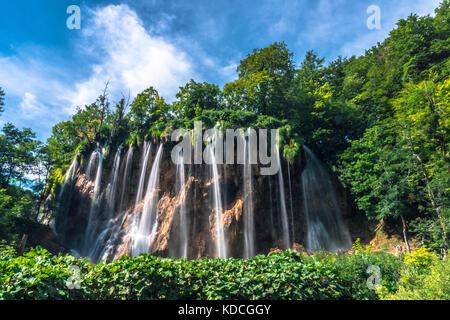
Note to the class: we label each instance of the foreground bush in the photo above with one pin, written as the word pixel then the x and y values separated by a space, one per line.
pixel 424 277
pixel 284 275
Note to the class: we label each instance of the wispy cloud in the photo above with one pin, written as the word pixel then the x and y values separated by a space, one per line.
pixel 115 46
pixel 164 43
pixel 131 58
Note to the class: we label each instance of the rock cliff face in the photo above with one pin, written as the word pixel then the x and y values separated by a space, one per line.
pixel 186 213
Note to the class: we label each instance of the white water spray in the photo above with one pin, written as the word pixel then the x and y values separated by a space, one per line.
pixel 325 228
pixel 91 226
pixel 220 235
pixel 284 218
pixel 148 222
pixel 249 223
pixel 180 182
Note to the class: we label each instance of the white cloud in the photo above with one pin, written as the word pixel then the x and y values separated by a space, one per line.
pixel 31 108
pixel 229 72
pixel 42 89
pixel 33 89
pixel 131 58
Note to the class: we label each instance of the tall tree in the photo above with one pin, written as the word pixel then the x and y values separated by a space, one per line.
pixel 264 78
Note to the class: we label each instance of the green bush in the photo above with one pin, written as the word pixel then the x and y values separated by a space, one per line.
pixel 284 275
pixel 351 272
pixel 424 277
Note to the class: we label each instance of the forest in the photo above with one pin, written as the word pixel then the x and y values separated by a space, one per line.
pixel 380 123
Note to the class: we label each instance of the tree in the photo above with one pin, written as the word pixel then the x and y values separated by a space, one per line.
pixel 146 110
pixel 378 171
pixel 421 116
pixel 264 78
pixel 17 154
pixel 195 97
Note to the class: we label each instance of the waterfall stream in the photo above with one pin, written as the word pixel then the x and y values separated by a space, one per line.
pixel 249 223
pixel 148 221
pixel 123 216
pixel 283 212
pixel 108 231
pixel 221 249
pixel 95 203
pixel 65 197
pixel 180 182
pixel 290 202
pixel 125 177
pixel 325 227
pixel 112 186
pixel 144 162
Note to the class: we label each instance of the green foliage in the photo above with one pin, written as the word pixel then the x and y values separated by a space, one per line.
pixel 351 272
pixel 423 277
pixel 17 154
pixel 284 275
pixel 146 110
pixel 264 78
pixel 420 258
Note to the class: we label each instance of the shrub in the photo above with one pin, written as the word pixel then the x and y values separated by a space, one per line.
pixel 424 277
pixel 282 275
pixel 351 272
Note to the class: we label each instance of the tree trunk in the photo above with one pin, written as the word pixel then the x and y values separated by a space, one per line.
pixel 23 243
pixel 405 234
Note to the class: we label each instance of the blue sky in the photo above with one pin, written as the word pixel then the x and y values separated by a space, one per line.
pixel 47 70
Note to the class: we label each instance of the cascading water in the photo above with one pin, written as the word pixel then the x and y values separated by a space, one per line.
pixel 284 217
pixel 108 230
pixel 290 202
pixel 126 217
pixel 221 249
pixel 69 176
pixel 148 221
pixel 115 224
pixel 249 223
pixel 325 227
pixel 112 187
pixel 91 162
pixel 126 174
pixel 144 162
pixel 65 195
pixel 180 181
pixel 273 232
pixel 95 204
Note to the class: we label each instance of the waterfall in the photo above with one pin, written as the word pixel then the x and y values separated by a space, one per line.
pixel 90 228
pixel 69 176
pixel 249 223
pixel 113 238
pixel 107 232
pixel 325 227
pixel 126 174
pixel 284 218
pixel 91 162
pixel 144 161
pixel 220 236
pixel 148 222
pixel 112 187
pixel 290 202
pixel 271 211
pixel 114 225
pixel 65 196
pixel 180 182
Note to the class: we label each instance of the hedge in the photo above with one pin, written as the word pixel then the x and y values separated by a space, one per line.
pixel 282 275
